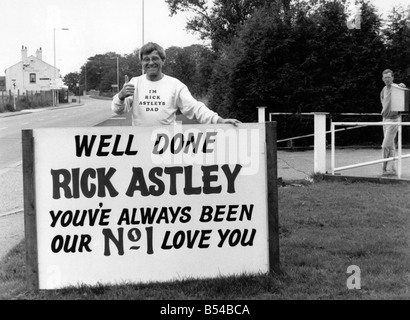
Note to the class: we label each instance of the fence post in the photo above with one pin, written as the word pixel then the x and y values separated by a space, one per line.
pixel 261 114
pixel 333 148
pixel 320 142
pixel 399 142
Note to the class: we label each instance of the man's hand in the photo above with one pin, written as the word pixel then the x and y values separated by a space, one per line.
pixel 402 85
pixel 229 121
pixel 127 90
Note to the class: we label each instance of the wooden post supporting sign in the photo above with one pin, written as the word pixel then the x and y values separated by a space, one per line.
pixel 272 179
pixel 30 225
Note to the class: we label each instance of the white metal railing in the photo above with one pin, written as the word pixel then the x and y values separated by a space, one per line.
pixel 320 137
pixel 272 114
pixel 312 134
pixel 399 157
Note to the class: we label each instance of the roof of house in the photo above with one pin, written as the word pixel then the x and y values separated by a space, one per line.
pixel 30 58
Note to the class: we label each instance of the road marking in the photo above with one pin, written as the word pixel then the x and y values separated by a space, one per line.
pixel 11 212
pixel 119 118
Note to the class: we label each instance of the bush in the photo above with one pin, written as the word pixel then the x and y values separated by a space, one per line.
pixel 9 107
pixel 24 103
pixel 108 94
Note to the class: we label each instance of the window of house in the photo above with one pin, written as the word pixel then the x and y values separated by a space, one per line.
pixel 32 78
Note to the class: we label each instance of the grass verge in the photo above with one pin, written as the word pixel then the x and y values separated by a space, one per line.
pixel 324 228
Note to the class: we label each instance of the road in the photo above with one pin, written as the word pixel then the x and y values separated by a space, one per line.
pixel 90 112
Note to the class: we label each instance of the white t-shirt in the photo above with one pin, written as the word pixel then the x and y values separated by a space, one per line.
pixel 385 98
pixel 156 103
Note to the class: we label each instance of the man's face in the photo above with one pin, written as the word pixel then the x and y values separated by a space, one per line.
pixel 387 79
pixel 152 65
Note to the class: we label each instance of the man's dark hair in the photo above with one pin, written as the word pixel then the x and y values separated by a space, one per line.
pixel 150 47
pixel 388 71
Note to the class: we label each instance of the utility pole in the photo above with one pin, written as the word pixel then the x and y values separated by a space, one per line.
pixel 143 26
pixel 14 94
pixel 85 78
pixel 55 68
pixel 118 74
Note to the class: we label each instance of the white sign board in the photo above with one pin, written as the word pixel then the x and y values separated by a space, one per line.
pixel 399 98
pixel 56 84
pixel 141 204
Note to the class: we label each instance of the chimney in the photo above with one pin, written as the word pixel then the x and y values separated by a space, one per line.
pixel 39 54
pixel 23 53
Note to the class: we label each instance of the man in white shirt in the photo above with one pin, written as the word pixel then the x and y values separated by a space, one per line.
pixel 154 97
pixel 389 131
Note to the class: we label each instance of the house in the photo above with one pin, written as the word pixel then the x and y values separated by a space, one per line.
pixel 32 74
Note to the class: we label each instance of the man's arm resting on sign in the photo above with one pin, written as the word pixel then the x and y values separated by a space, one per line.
pixel 229 121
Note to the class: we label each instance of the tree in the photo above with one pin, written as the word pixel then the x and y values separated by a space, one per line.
pixel 221 20
pixel 298 56
pixel 94 69
pixel 204 59
pixel 71 79
pixel 397 41
pixel 315 63
pixel 254 69
pixel 130 65
pixel 180 64
pixel 101 71
pixel 349 60
pixel 192 65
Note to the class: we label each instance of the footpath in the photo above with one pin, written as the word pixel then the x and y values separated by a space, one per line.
pixel 297 165
pixel 26 111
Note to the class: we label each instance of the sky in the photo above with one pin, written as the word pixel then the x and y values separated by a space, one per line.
pixel 95 27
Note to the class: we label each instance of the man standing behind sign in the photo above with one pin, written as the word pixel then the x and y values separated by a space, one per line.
pixel 389 131
pixel 154 97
